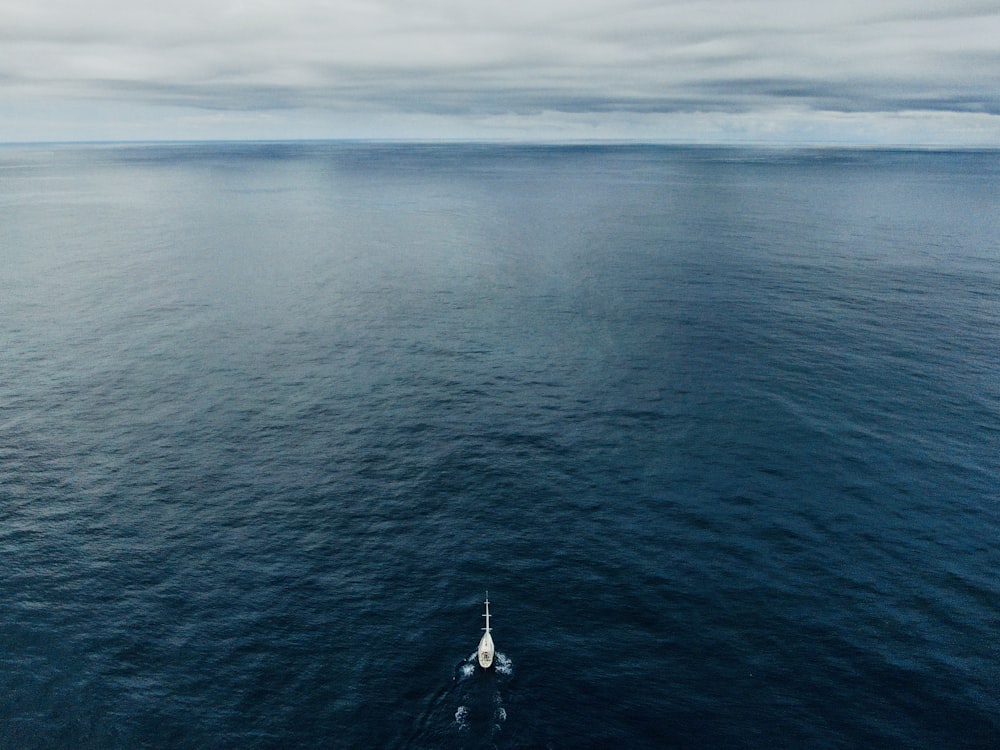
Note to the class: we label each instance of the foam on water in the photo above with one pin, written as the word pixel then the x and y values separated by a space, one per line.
pixel 503 664
pixel 478 695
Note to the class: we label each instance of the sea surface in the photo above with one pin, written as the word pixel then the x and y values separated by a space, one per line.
pixel 718 429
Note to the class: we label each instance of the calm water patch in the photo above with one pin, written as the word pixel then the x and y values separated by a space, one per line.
pixel 717 428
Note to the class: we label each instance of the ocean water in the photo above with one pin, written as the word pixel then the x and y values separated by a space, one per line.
pixel 718 429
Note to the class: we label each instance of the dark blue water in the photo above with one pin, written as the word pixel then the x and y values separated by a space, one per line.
pixel 718 429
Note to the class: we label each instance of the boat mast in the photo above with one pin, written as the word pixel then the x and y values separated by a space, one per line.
pixel 487 615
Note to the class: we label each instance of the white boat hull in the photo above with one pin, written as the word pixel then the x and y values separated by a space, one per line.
pixel 486 651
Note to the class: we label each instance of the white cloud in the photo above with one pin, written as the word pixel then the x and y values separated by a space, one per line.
pixel 628 67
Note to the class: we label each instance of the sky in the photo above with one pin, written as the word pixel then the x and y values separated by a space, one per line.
pixel 899 72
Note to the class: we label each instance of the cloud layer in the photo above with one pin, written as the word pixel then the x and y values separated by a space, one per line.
pixel 458 68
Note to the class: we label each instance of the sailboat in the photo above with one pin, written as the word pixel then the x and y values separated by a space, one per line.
pixel 485 650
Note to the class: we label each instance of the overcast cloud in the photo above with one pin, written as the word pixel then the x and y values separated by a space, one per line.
pixel 878 71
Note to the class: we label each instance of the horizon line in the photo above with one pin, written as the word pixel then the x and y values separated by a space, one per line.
pixel 540 142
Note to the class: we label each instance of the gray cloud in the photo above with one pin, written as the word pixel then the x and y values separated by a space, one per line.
pixel 452 60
